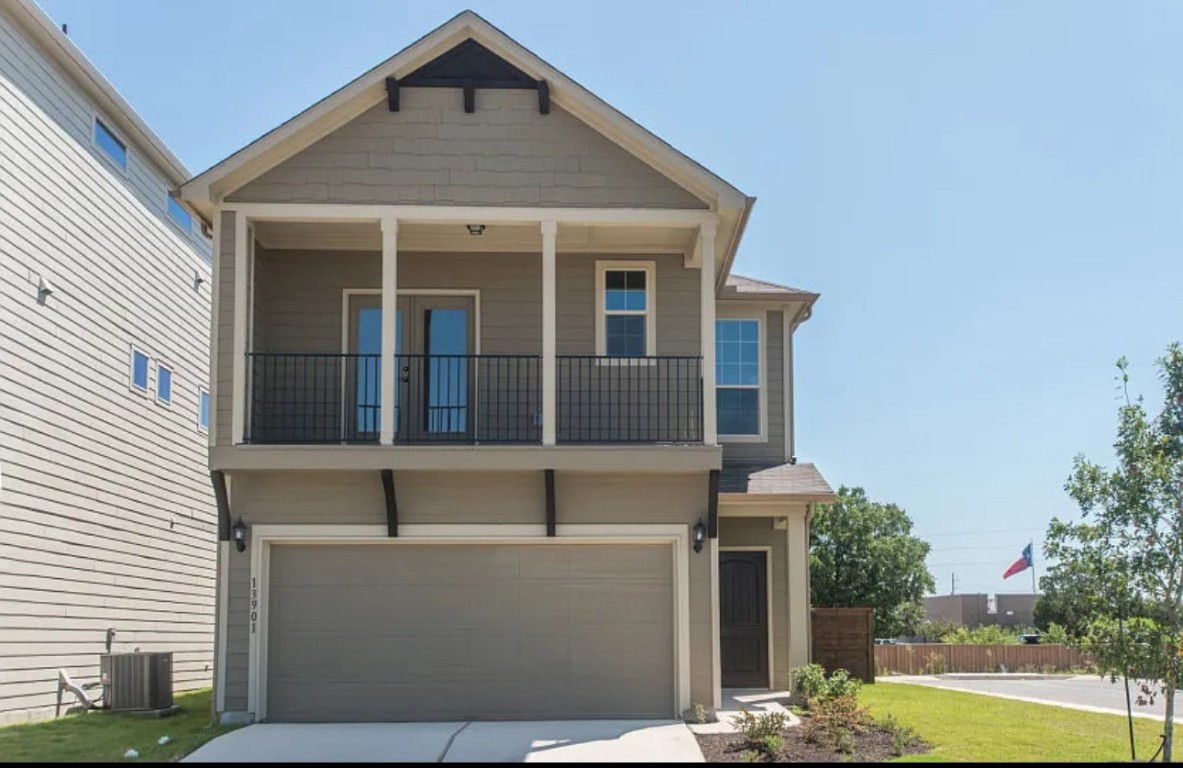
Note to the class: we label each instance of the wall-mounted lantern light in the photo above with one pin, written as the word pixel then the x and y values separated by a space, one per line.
pixel 44 289
pixel 700 535
pixel 238 532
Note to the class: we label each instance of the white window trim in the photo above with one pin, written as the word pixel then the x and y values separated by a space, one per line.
pixel 171 384
pixel 204 391
pixel 761 318
pixel 131 371
pixel 650 313
pixel 124 169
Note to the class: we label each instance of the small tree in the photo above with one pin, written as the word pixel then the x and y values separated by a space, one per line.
pixel 1128 549
pixel 863 554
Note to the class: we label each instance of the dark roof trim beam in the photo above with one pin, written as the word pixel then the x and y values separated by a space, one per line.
pixel 218 478
pixel 391 503
pixel 468 66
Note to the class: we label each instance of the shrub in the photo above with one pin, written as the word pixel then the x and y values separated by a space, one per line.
pixel 812 683
pixel 810 680
pixel 751 756
pixel 988 634
pixel 772 745
pixel 1055 634
pixel 757 728
pixel 834 721
pixel 902 736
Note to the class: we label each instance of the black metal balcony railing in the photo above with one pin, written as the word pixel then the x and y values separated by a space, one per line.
pixel 298 398
pixel 629 399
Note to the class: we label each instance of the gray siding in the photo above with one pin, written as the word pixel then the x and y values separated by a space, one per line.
pixel 222 392
pixel 454 498
pixel 49 90
pixel 772 451
pixel 432 152
pixel 106 514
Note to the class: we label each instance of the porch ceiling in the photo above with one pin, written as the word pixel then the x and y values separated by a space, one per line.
pixel 516 238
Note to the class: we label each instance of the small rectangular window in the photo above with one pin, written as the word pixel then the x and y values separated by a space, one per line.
pixel 105 138
pixel 624 315
pixel 164 384
pixel 139 370
pixel 737 376
pixel 177 212
pixel 203 409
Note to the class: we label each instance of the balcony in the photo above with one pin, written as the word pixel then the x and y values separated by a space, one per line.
pixel 309 399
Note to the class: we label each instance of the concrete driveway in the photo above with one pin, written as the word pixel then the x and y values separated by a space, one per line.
pixel 549 741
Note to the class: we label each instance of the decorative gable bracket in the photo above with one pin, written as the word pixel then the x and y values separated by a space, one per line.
pixel 468 66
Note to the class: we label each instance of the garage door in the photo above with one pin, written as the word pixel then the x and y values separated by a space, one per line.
pixel 361 632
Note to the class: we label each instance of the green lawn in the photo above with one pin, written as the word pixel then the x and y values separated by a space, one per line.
pixel 105 737
pixel 972 727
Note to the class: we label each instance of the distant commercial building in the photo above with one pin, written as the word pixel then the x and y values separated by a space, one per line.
pixel 975 610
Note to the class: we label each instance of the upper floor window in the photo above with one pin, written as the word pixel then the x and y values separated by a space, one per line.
pixel 105 138
pixel 177 213
pixel 164 384
pixel 625 313
pixel 738 377
pixel 203 409
pixel 139 370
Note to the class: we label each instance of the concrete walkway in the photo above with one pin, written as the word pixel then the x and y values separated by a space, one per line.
pixel 573 741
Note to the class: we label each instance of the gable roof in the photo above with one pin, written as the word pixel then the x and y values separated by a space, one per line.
pixel 750 285
pixel 803 482
pixel 210 186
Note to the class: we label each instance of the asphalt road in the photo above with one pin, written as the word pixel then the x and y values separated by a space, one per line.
pixel 1082 691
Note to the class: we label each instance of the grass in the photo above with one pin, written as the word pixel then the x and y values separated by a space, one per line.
pixel 104 737
pixel 975 728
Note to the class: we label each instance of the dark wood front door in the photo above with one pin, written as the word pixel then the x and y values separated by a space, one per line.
pixel 743 609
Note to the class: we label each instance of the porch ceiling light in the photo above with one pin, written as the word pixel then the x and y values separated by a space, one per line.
pixel 700 535
pixel 238 533
pixel 476 229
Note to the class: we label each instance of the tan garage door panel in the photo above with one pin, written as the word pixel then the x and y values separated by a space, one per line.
pixel 451 631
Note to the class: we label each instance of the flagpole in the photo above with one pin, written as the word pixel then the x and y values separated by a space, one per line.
pixel 1034 590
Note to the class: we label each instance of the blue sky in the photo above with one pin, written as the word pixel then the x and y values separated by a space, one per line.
pixel 985 194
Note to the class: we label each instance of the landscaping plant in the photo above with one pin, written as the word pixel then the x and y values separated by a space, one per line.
pixel 1127 551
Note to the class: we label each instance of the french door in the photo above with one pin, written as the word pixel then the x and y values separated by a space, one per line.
pixel 434 370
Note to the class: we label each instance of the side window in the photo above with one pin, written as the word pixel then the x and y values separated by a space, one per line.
pixel 203 409
pixel 164 384
pixel 106 140
pixel 139 370
pixel 737 377
pixel 180 216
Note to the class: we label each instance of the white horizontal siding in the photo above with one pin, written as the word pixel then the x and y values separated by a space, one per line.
pixel 106 512
pixel 51 90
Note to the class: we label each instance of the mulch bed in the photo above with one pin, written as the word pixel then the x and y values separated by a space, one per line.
pixel 872 745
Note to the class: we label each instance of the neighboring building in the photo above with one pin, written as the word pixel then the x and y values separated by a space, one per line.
pixel 975 610
pixel 1015 610
pixel 467 459
pixel 107 519
pixel 967 610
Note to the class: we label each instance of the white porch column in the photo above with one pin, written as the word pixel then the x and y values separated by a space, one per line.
pixel 549 235
pixel 389 327
pixel 797 573
pixel 241 309
pixel 706 243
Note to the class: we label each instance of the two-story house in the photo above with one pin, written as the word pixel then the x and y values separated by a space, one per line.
pixel 497 433
pixel 107 518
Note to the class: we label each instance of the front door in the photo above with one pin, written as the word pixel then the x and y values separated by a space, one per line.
pixel 743 619
pixel 434 342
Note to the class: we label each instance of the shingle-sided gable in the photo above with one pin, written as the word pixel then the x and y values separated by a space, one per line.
pixel 432 152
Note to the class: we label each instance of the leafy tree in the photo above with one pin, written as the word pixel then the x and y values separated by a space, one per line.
pixel 1128 548
pixel 1068 593
pixel 863 553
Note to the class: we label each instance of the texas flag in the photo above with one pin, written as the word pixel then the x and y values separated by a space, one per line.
pixel 1022 564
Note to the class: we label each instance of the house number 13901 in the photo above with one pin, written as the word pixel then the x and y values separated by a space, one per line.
pixel 254 603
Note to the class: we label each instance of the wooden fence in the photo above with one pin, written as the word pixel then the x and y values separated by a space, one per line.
pixel 843 639
pixel 939 658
